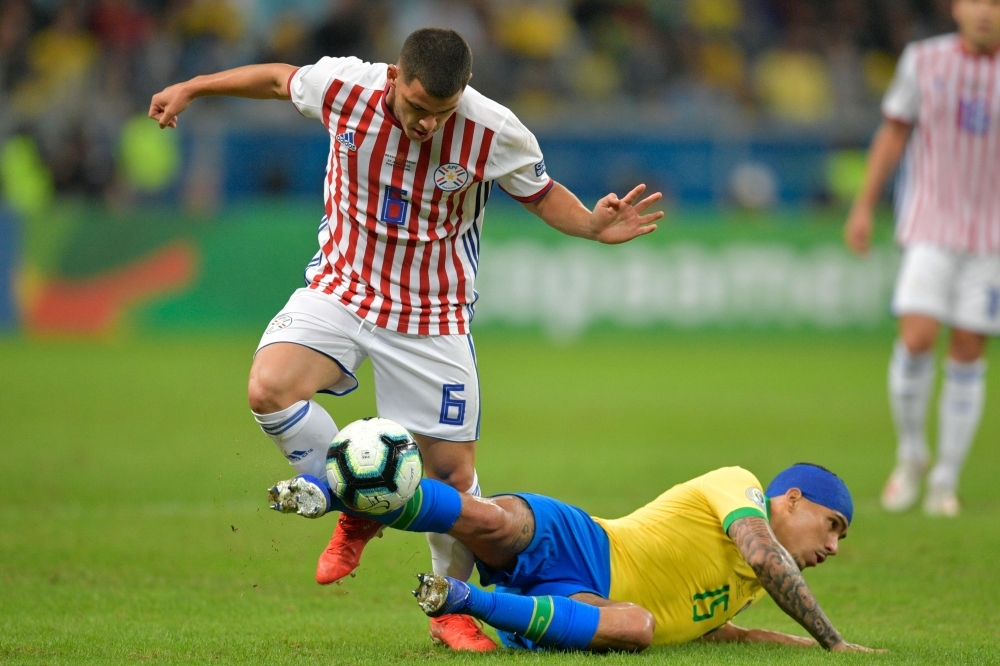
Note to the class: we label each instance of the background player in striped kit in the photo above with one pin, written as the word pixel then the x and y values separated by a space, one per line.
pixel 944 103
pixel 414 154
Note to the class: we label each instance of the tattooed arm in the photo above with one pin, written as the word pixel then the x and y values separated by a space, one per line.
pixel 782 578
pixel 730 633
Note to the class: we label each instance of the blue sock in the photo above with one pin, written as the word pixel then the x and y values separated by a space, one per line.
pixel 433 508
pixel 557 622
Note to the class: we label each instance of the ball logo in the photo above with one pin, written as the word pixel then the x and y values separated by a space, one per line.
pixel 450 177
pixel 279 323
pixel 757 497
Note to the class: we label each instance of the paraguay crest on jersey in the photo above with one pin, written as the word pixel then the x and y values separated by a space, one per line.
pixel 450 177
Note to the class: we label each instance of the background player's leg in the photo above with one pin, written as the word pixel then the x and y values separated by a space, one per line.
pixel 911 380
pixel 961 407
pixel 283 379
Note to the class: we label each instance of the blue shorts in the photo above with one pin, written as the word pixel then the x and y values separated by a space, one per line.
pixel 569 553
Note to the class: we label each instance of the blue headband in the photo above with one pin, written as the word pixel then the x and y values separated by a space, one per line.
pixel 817 485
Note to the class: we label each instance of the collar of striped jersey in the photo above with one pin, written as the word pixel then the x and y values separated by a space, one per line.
pixel 387 111
pixel 963 46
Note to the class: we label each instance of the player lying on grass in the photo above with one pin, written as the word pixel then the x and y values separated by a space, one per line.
pixel 676 570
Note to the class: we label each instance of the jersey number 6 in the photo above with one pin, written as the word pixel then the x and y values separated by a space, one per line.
pixel 394 205
pixel 452 408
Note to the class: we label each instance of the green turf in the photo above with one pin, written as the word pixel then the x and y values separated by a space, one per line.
pixel 134 527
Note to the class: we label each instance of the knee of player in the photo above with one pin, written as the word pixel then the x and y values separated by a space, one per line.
pixel 966 347
pixel 458 476
pixel 623 627
pixel 639 625
pixel 491 521
pixel 264 394
pixel 918 340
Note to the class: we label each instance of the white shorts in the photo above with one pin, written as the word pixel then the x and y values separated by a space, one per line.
pixel 427 383
pixel 956 288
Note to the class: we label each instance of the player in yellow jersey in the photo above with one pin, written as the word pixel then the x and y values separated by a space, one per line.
pixel 676 570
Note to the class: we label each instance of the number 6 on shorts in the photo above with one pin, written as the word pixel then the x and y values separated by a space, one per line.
pixel 452 408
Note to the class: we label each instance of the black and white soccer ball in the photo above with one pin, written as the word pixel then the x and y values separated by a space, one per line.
pixel 374 465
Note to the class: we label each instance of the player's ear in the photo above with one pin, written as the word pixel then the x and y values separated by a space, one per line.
pixel 793 495
pixel 392 73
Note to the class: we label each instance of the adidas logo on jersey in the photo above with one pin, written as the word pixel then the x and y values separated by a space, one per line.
pixel 347 138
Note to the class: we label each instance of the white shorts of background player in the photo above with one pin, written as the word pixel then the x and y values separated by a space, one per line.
pixel 428 384
pixel 956 288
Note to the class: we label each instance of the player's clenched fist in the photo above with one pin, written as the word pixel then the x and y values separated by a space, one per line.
pixel 617 220
pixel 168 104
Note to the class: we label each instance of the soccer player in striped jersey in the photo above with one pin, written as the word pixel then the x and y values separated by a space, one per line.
pixel 414 156
pixel 943 109
pixel 676 570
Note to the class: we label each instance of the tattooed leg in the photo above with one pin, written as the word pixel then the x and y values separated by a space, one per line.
pixel 495 529
pixel 782 578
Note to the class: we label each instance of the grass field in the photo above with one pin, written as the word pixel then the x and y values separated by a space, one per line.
pixel 135 527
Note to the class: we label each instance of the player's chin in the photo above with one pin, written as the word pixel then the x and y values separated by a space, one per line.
pixel 418 135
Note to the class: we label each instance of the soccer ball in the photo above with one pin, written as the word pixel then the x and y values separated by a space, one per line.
pixel 374 465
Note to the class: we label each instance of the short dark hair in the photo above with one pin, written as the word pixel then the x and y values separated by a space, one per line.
pixel 439 58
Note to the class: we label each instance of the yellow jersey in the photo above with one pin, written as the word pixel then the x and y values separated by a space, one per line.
pixel 674 558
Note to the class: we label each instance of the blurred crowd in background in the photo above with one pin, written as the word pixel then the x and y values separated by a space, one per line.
pixel 76 76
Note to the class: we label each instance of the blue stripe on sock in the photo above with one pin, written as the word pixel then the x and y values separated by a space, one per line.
pixel 279 428
pixel 965 373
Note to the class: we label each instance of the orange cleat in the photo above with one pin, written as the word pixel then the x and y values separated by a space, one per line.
pixel 460 632
pixel 343 554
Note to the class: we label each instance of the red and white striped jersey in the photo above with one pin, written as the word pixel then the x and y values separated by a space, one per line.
pixel 949 196
pixel 400 242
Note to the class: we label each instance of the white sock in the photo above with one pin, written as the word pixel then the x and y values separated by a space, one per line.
pixel 961 407
pixel 911 379
pixel 303 432
pixel 448 556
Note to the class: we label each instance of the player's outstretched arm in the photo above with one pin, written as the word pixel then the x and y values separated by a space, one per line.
pixel 730 633
pixel 612 221
pixel 253 81
pixel 783 580
pixel 883 157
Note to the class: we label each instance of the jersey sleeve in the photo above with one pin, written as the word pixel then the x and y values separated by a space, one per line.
pixel 308 85
pixel 902 99
pixel 733 493
pixel 520 163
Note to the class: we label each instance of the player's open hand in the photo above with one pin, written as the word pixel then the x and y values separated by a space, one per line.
pixel 617 220
pixel 858 230
pixel 168 104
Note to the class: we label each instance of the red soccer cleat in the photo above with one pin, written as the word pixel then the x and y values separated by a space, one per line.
pixel 460 632
pixel 343 554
